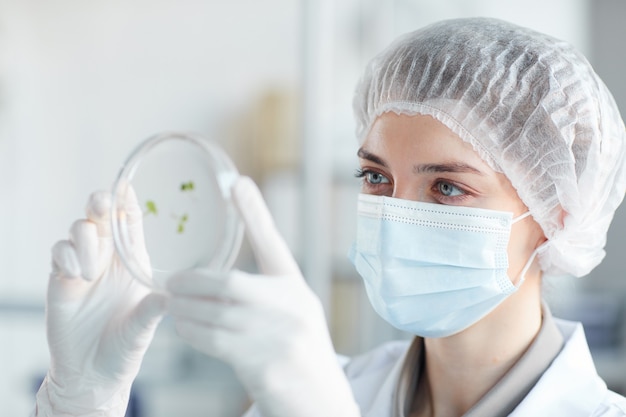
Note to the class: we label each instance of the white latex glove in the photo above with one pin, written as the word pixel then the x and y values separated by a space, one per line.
pixel 270 328
pixel 99 320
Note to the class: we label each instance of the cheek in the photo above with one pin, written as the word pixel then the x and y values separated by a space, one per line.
pixel 526 236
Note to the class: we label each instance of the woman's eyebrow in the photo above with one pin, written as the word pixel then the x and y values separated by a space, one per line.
pixel 455 167
pixel 363 154
pixel 447 167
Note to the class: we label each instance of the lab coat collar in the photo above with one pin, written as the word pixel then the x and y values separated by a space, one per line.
pixel 570 387
pixel 378 402
pixel 572 377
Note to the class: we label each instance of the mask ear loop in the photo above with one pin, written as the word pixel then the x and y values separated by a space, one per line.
pixel 530 262
pixel 532 255
pixel 520 217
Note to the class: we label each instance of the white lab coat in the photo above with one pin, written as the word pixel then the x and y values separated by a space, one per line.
pixel 570 387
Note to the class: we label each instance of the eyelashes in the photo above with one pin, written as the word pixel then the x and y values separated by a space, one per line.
pixel 371 177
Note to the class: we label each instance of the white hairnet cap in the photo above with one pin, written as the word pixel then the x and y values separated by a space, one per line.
pixel 533 109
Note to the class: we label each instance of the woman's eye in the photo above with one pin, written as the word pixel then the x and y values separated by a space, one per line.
pixel 375 178
pixel 371 177
pixel 449 190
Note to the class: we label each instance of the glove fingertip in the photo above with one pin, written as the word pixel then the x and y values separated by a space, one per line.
pixel 99 206
pixel 65 260
pixel 130 204
pixel 86 244
pixel 244 191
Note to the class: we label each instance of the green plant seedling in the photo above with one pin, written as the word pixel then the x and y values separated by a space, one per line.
pixel 181 223
pixel 187 186
pixel 151 208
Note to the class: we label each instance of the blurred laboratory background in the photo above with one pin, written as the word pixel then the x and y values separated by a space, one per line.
pixel 271 81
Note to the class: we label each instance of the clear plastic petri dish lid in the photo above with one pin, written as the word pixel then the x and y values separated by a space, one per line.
pixel 181 182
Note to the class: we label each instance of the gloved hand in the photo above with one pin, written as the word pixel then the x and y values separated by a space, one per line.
pixel 99 320
pixel 270 328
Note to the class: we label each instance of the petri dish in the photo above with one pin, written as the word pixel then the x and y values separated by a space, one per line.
pixel 182 183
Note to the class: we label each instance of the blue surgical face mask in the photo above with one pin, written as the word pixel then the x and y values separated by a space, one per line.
pixel 430 269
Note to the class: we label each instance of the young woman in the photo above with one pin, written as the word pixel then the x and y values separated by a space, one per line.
pixel 491 156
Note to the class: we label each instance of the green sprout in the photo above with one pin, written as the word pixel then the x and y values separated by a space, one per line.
pixel 187 186
pixel 181 223
pixel 151 208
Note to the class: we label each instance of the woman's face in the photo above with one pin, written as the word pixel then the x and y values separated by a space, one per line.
pixel 418 158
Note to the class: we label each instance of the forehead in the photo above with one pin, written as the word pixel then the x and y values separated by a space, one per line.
pixel 419 139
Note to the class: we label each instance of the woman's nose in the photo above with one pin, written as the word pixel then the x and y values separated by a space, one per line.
pixel 408 192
